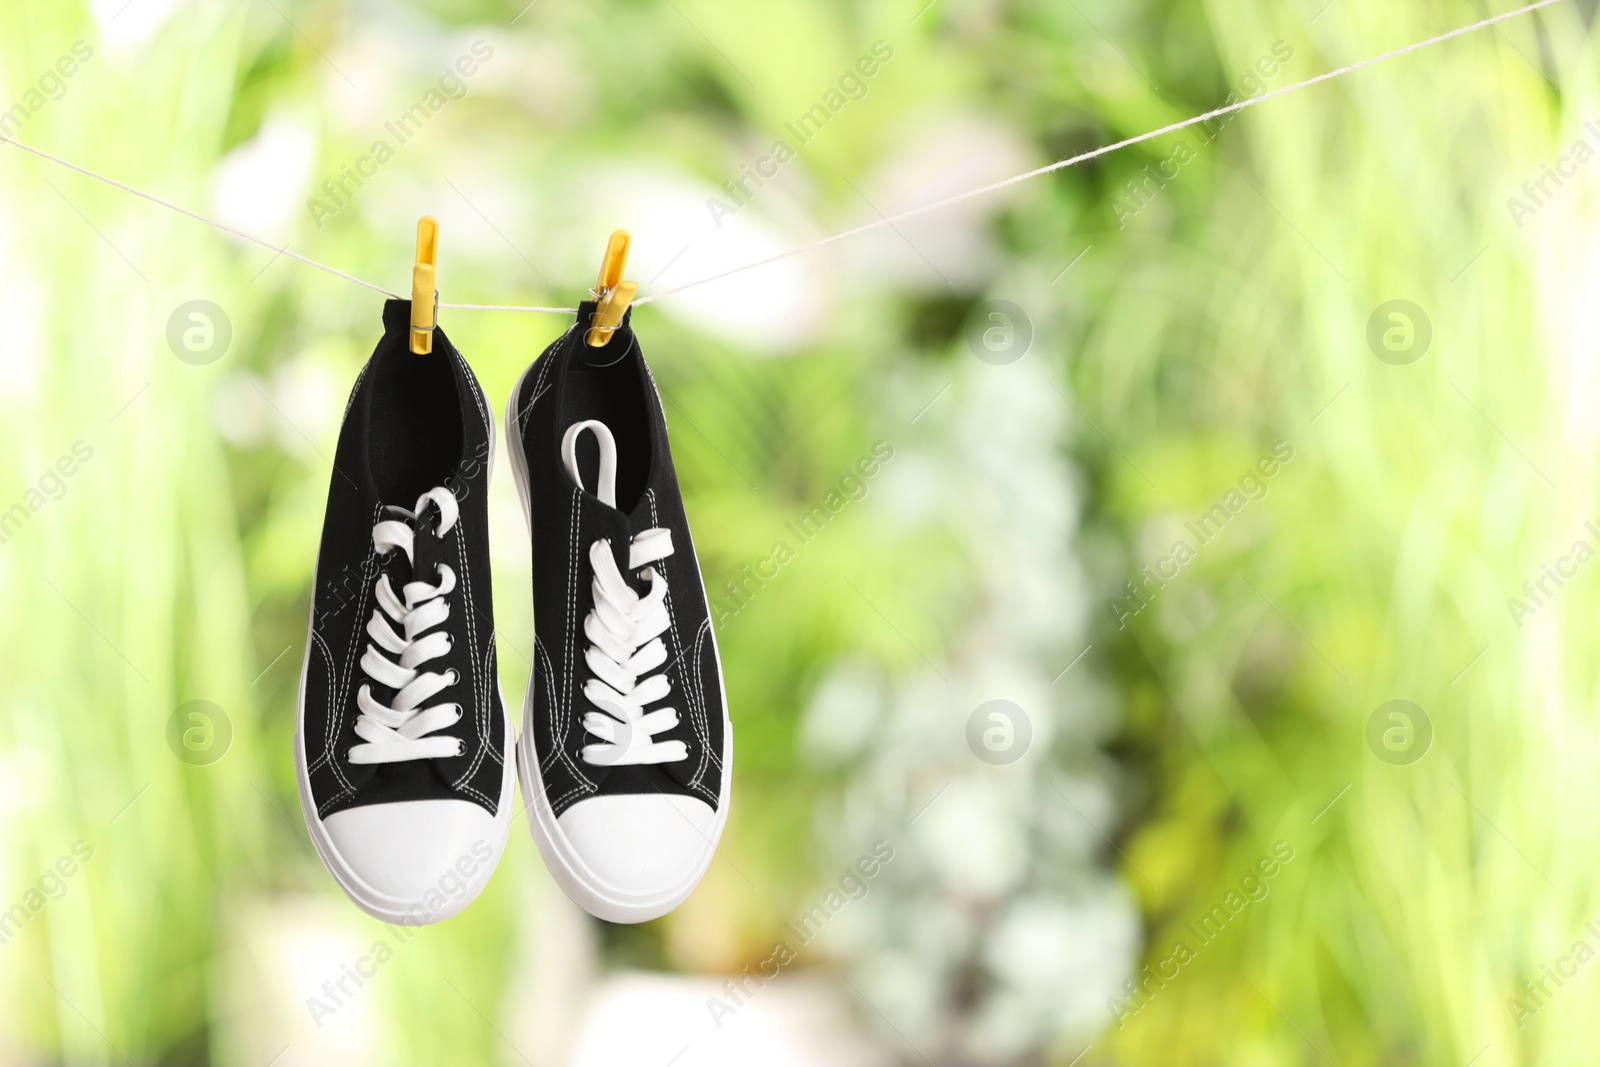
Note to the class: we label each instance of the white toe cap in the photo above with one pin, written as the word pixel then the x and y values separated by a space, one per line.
pixel 414 861
pixel 642 846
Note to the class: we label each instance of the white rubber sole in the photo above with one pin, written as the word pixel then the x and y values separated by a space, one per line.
pixel 380 905
pixel 586 889
pixel 392 909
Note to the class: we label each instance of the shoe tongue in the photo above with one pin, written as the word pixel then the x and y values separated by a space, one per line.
pixel 427 552
pixel 641 517
pixel 614 526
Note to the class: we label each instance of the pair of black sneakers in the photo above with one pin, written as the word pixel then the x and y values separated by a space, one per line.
pixel 404 746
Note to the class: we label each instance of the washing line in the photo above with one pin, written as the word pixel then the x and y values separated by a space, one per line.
pixel 879 223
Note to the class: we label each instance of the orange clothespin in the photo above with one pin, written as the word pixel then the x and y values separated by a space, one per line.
pixel 612 293
pixel 425 286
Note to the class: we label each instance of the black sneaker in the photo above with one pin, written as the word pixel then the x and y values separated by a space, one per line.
pixel 403 740
pixel 626 747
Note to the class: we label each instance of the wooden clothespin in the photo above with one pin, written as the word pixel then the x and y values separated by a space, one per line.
pixel 425 286
pixel 611 292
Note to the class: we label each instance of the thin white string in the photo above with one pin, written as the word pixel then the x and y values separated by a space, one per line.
pixel 509 307
pixel 890 220
pixel 281 250
pixel 880 223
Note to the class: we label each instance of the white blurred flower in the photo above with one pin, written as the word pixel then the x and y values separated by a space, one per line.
pixel 954 246
pixel 290 988
pixel 1067 955
pixel 911 490
pixel 240 411
pixel 126 26
pixel 842 713
pixel 261 184
pixel 309 398
pixel 996 874
pixel 546 74
pixel 973 839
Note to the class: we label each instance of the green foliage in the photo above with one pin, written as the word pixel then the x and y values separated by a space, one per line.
pixel 1212 315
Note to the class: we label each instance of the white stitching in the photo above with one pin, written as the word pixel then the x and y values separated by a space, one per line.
pixel 698 681
pixel 555 802
pixel 321 643
pixel 348 789
pixel 568 718
pixel 477 793
pixel 477 393
pixel 480 699
pixel 558 706
pixel 559 750
pixel 543 655
pixel 492 696
pixel 336 719
pixel 704 712
pixel 480 684
pixel 697 713
pixel 539 387
pixel 354 389
pixel 700 636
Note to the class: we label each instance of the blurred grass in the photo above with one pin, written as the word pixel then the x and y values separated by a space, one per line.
pixel 1226 316
pixel 1378 566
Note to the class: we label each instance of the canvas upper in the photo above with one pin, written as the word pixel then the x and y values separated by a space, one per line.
pixel 407 503
pixel 572 382
pixel 626 742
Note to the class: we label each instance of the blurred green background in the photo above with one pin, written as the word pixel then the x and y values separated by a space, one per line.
pixel 1171 475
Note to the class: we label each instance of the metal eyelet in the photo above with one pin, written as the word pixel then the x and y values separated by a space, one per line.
pixel 455 676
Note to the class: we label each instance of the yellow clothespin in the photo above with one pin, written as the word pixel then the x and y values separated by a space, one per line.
pixel 613 294
pixel 425 286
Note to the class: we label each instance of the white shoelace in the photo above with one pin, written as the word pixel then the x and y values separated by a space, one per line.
pixel 624 632
pixel 398 733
